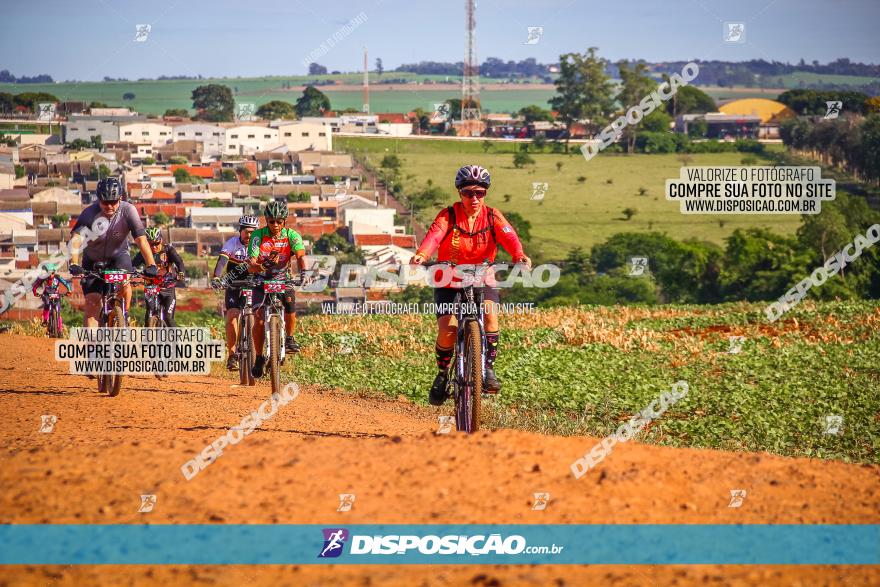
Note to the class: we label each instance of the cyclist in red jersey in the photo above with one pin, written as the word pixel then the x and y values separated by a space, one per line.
pixel 468 233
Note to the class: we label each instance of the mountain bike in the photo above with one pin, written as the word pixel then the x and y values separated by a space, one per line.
pixel 273 325
pixel 113 314
pixel 153 286
pixel 245 350
pixel 470 349
pixel 55 327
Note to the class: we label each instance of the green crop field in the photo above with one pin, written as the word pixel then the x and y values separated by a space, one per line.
pixel 572 213
pixel 586 370
pixel 793 80
pixel 155 97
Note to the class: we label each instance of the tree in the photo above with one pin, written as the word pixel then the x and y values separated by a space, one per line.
pixel 244 172
pixel 128 96
pixel 175 112
pixel 583 91
pixel 534 113
pixel 161 219
pixel 316 69
pixel 30 100
pixel 214 203
pixel 657 121
pixel 228 175
pixel 148 161
pixel 60 220
pixel 313 102
pixel 690 100
pixel 78 145
pixel 213 102
pixel 276 109
pixel 7 102
pixel 521 159
pixel 379 68
pixel 103 171
pixel 299 197
pixel 178 160
pixel 629 213
pixel 97 142
pixel 558 166
pixel 390 161
pixel 487 145
pixel 635 85
pixel 95 104
pixel 181 175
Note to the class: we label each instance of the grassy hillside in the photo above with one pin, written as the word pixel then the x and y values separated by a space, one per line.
pixel 573 213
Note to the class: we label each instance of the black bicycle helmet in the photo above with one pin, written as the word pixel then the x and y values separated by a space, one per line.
pixel 109 189
pixel 472 175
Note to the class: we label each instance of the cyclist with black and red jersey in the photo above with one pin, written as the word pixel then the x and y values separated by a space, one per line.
pixel 467 233
pixel 50 284
pixel 232 264
pixel 270 252
pixel 166 257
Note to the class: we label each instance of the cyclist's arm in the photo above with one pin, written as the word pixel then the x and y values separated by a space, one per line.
pixel 37 284
pixel 65 283
pixel 254 265
pixel 507 237
pixel 145 249
pixel 220 267
pixel 176 260
pixel 298 249
pixel 75 246
pixel 435 235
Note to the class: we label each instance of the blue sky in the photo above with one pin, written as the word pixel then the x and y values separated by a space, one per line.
pixel 88 39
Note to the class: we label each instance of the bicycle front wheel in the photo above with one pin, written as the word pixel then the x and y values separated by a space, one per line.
pixel 275 352
pixel 113 383
pixel 473 370
pixel 246 353
pixel 53 322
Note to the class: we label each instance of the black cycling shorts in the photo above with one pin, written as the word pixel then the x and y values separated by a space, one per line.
pixel 96 285
pixel 233 298
pixel 288 300
pixel 444 297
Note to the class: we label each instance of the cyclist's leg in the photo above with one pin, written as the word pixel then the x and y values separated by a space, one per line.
pixel 45 299
pixel 289 303
pixel 446 326
pixel 259 327
pixel 147 315
pixel 93 288
pixel 123 261
pixel 233 302
pixel 168 299
pixel 491 308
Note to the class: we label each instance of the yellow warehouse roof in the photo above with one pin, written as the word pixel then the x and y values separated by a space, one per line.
pixel 768 110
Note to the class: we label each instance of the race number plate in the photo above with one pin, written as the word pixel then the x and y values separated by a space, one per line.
pixel 151 289
pixel 273 286
pixel 115 276
pixel 54 296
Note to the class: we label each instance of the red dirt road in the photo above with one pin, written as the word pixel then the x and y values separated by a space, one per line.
pixel 105 452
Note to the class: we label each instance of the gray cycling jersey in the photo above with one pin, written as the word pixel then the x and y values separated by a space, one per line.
pixel 114 240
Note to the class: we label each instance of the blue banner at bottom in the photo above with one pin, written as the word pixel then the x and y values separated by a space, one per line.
pixel 521 544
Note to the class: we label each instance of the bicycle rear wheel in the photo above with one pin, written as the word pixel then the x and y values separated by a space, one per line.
pixel 467 407
pixel 246 353
pixel 275 352
pixel 117 320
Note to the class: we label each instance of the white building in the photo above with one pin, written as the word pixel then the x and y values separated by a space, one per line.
pixel 217 219
pixel 212 137
pixel 301 136
pixel 145 132
pixel 395 129
pixel 380 220
pixel 241 140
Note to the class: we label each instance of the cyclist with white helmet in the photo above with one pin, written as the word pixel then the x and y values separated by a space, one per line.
pixel 166 257
pixel 467 233
pixel 111 221
pixel 232 264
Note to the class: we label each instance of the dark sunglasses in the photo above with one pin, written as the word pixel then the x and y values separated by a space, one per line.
pixel 275 221
pixel 473 193
pixel 109 202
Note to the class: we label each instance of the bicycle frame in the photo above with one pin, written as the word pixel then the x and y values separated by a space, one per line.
pixel 469 298
pixel 272 306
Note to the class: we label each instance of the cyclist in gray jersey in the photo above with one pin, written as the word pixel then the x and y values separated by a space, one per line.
pixel 109 222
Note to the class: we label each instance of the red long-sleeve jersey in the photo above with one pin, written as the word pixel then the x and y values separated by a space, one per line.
pixel 470 248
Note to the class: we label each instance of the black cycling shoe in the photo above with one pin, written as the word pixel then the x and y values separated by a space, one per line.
pixel 259 367
pixel 439 389
pixel 291 345
pixel 490 382
pixel 232 362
